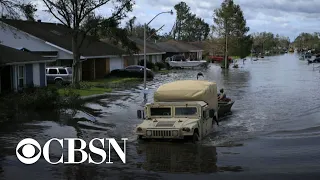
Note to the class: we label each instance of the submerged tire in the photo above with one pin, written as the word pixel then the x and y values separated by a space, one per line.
pixel 195 137
pixel 139 137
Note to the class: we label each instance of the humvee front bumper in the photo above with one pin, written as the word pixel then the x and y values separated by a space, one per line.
pixel 163 134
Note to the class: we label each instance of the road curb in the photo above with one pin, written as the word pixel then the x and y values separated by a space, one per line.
pixel 104 94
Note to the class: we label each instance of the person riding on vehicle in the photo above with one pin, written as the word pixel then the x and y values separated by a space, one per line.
pixel 222 96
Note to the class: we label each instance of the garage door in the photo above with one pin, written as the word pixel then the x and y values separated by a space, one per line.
pixel 116 63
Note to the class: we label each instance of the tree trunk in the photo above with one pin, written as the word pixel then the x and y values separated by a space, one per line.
pixel 76 62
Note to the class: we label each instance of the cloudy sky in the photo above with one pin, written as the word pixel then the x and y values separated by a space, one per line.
pixel 285 17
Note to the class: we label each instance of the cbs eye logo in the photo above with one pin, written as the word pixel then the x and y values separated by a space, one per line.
pixel 26 151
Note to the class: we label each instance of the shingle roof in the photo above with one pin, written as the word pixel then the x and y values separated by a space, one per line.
pixel 177 46
pixel 10 55
pixel 150 46
pixel 199 44
pixel 42 53
pixel 61 36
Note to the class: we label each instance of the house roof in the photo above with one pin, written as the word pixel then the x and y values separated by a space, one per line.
pixel 10 55
pixel 60 35
pixel 177 46
pixel 150 46
pixel 199 44
pixel 42 53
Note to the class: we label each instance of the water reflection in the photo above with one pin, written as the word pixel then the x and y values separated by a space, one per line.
pixel 179 158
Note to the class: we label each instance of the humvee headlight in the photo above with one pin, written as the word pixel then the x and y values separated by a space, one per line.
pixel 149 133
pixel 139 129
pixel 175 133
pixel 186 129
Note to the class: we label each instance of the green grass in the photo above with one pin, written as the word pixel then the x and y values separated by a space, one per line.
pixel 85 92
pixel 99 86
pixel 111 81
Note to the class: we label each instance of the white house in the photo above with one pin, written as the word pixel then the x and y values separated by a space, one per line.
pixel 54 41
pixel 19 69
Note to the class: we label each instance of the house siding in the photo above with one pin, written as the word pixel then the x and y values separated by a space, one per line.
pixel 125 61
pixel 36 74
pixel 107 66
pixel 42 73
pixel 29 74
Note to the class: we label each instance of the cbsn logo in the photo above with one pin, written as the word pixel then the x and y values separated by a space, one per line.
pixel 28 150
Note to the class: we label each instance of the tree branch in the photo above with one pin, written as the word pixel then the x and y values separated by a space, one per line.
pixel 113 17
pixel 92 9
pixel 47 2
pixel 82 7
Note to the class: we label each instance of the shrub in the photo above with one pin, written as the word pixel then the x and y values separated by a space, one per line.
pixel 70 100
pixel 160 65
pixel 150 64
pixel 35 99
pixel 41 99
pixel 38 98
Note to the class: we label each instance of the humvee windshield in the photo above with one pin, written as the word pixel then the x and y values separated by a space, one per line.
pixel 160 111
pixel 189 111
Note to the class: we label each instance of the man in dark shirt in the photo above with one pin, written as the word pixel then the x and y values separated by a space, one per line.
pixel 222 96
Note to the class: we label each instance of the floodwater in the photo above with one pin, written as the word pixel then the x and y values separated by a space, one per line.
pixel 273 133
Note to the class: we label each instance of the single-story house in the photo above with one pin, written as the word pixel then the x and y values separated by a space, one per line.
pixel 173 47
pixel 204 45
pixel 19 69
pixel 55 41
pixel 153 53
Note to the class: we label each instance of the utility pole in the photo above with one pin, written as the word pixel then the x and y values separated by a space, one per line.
pixel 226 46
pixel 144 62
pixel 144 53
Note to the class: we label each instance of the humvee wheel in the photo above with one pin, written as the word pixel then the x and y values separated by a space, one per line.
pixel 195 137
pixel 139 137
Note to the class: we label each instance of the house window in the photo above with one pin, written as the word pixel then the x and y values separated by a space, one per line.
pixel 21 76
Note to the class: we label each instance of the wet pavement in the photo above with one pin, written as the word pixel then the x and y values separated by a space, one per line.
pixel 273 133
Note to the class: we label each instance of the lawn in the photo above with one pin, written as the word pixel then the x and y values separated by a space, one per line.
pixel 111 81
pixel 96 87
pixel 85 92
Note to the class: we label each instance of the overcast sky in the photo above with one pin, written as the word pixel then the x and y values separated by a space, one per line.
pixel 285 17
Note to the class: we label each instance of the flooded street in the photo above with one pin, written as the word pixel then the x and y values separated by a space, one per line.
pixel 274 131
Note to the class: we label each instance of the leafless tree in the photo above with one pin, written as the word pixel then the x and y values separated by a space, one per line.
pixel 17 9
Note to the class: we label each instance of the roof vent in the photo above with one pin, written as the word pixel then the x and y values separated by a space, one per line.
pixel 39 20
